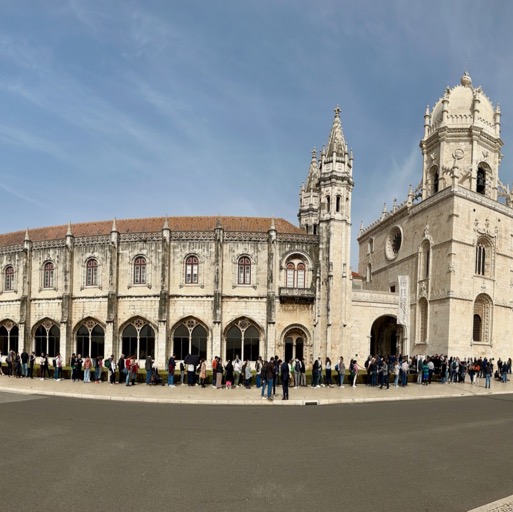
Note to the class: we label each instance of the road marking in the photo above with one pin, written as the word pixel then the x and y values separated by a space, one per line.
pixel 504 505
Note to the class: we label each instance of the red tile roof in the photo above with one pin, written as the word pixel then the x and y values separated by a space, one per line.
pixel 152 225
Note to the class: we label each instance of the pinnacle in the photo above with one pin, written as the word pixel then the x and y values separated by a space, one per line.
pixel 336 143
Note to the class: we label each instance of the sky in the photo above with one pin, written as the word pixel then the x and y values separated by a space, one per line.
pixel 128 109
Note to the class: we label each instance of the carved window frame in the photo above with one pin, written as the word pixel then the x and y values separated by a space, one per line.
pixel 9 278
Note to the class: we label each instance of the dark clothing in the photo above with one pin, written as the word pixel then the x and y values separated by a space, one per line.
pixel 229 372
pixel 121 368
pixel 285 380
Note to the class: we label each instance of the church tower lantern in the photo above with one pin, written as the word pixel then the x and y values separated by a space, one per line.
pixel 461 143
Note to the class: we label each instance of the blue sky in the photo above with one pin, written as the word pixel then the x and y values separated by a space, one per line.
pixel 149 108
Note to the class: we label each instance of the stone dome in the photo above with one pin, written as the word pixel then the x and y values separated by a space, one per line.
pixel 460 106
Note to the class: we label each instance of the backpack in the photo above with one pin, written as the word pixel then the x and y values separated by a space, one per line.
pixel 297 367
pixel 107 363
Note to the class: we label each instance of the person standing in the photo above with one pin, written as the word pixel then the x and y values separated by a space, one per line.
pixel 258 369
pixel 354 372
pixel 237 368
pixel 73 366
pixel 329 382
pixel 219 373
pixel 24 363
pixel 98 369
pixel 147 366
pixel 203 373
pixel 247 374
pixel 112 370
pixel 384 374
pixel 58 367
pixel 297 373
pixel 43 365
pixel 87 370
pixel 285 375
pixel 79 363
pixel 171 364
pixel 229 373
pixel 134 369
pixel 488 372
pixel 341 371
pixel 32 360
pixel 404 369
pixel 121 369
pixel 270 377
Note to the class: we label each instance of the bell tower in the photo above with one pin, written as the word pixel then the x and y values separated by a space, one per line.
pixel 335 186
pixel 461 144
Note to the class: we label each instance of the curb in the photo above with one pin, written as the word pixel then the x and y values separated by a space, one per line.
pixel 252 402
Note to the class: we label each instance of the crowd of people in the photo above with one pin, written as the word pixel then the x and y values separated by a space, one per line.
pixel 381 371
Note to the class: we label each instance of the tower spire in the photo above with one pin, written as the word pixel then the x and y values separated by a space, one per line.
pixel 336 142
pixel 313 172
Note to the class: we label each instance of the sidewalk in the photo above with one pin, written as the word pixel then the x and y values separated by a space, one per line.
pixel 242 396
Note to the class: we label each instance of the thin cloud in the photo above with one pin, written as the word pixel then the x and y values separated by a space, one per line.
pixel 21 196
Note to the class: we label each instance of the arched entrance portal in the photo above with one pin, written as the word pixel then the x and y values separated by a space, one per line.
pixel 386 336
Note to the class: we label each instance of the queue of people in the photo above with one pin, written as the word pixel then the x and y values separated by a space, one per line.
pixel 382 371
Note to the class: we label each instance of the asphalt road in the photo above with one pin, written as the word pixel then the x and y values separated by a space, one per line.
pixel 64 454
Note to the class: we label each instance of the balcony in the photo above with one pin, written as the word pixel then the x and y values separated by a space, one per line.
pixel 297 295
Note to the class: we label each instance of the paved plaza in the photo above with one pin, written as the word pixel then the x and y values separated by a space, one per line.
pixel 183 394
pixel 65 454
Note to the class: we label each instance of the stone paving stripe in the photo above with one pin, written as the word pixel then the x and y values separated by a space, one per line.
pixel 504 505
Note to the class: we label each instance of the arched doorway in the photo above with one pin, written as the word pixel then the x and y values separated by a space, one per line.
pixel 294 343
pixel 386 336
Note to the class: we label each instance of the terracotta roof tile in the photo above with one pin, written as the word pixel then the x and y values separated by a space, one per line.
pixel 152 225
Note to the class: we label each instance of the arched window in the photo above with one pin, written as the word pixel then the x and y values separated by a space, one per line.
pixel 482 319
pixel 291 273
pixel 294 344
pixel 48 270
pixel 140 270
pixel 191 270
pixel 138 340
pixel 481 181
pixel 9 278
pixel 328 204
pixel 244 270
pixel 251 344
pixel 425 254
pixel 92 272
pixel 295 273
pixel 9 338
pixel 480 259
pixel 423 320
pixel 337 204
pixel 435 178
pixel 477 328
pixel 91 340
pixel 243 340
pixel 190 337
pixel 47 340
pixel 368 277
pixel 301 271
pixel 233 343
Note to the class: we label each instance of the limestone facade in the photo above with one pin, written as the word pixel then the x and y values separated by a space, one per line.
pixel 261 286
